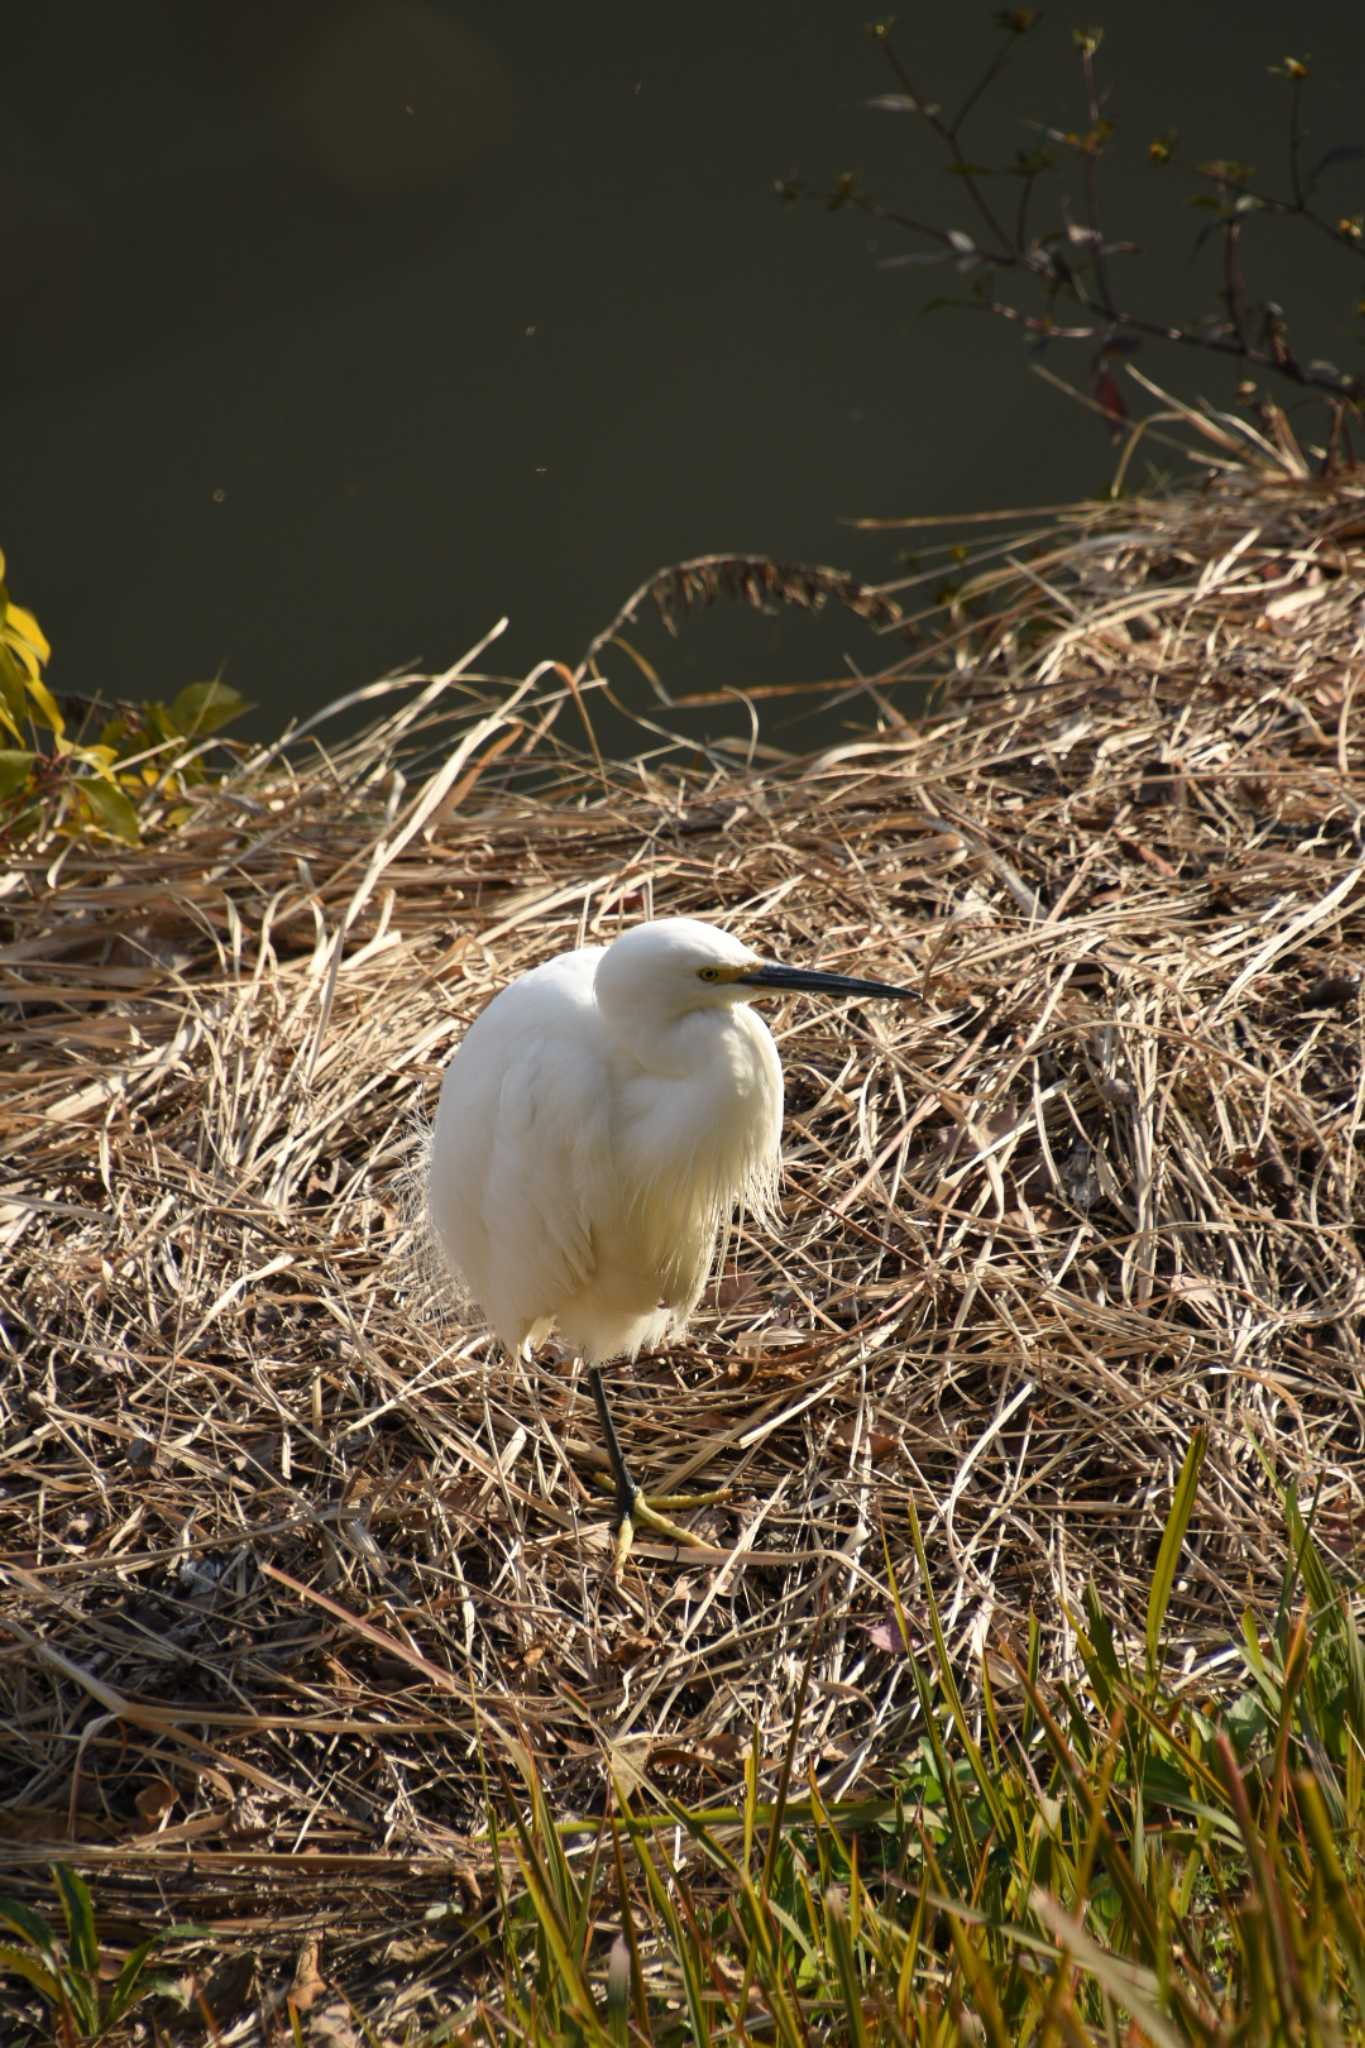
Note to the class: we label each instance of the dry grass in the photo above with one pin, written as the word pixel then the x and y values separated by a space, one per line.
pixel 285 1540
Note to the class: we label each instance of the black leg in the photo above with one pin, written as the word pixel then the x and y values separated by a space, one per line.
pixel 631 1504
pixel 627 1492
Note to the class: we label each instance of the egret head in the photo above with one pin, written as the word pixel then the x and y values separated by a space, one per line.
pixel 675 965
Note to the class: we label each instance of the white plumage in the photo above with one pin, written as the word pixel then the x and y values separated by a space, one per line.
pixel 597 1126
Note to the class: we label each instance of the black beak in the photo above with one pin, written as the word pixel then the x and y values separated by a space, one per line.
pixel 768 975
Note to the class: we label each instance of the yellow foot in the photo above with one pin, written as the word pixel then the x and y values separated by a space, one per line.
pixel 656 1503
pixel 643 1512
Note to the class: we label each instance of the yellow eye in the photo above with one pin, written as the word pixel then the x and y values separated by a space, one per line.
pixel 709 973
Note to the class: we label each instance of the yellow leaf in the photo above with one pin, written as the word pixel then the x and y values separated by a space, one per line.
pixel 22 621
pixel 11 696
pixel 43 698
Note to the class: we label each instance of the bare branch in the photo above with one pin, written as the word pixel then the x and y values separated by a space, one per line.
pixel 1076 260
pixel 1297 77
pixel 949 137
pixel 1088 42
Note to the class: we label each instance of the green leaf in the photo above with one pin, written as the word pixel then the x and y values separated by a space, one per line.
pixel 16 771
pixel 23 1965
pixel 80 1919
pixel 1247 1723
pixel 127 1987
pixel 1107 1673
pixel 202 707
pixel 109 808
pixel 117 731
pixel 158 724
pixel 25 1921
pixel 1177 1522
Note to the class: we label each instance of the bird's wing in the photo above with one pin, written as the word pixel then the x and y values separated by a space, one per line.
pixel 521 1157
pixel 550 1143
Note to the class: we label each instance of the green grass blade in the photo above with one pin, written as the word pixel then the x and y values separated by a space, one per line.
pixel 841 1940
pixel 788 1761
pixel 985 1779
pixel 1172 1541
pixel 683 1947
pixel 1031 1664
pixel 128 1986
pixel 79 1909
pixel 628 1934
pixel 571 1981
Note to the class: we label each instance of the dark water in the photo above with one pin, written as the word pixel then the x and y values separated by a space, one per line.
pixel 337 331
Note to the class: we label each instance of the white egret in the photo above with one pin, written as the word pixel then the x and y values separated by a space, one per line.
pixel 598 1124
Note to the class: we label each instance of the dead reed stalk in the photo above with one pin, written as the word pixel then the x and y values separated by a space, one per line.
pixel 284 1539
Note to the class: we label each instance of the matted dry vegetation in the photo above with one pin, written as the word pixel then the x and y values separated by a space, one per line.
pixel 286 1540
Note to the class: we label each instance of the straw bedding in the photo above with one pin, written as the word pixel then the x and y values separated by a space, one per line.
pixel 288 1545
